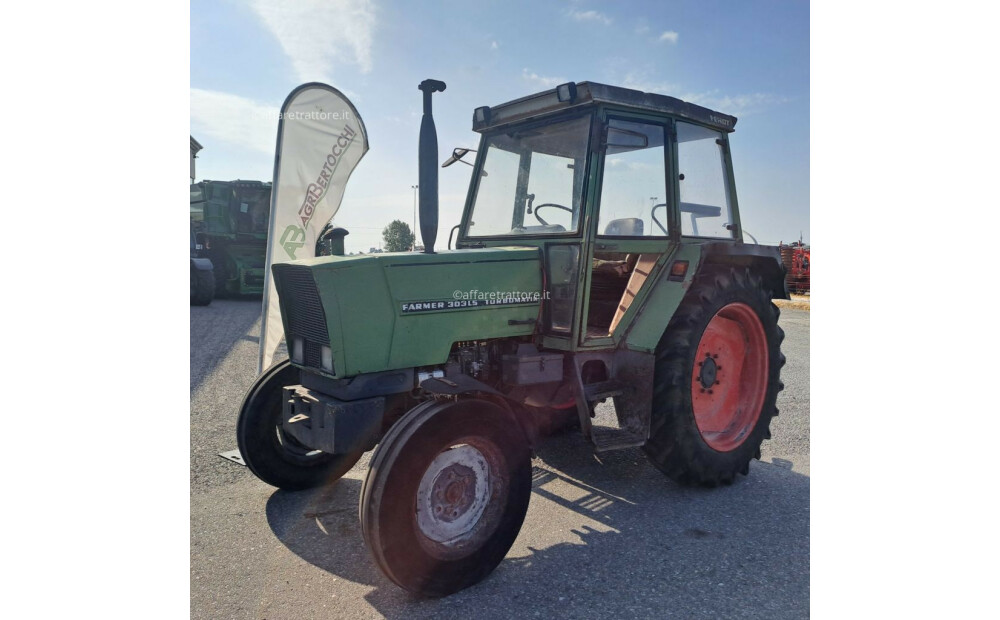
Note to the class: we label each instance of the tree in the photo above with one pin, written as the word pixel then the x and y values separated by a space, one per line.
pixel 397 237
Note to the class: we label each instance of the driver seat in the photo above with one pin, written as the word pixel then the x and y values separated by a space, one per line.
pixel 625 227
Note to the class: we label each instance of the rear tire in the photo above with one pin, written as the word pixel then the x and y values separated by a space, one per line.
pixel 202 287
pixel 711 413
pixel 273 456
pixel 446 494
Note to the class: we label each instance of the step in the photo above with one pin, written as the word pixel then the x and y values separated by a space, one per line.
pixel 606 439
pixel 604 389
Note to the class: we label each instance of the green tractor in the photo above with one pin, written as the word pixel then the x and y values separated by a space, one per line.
pixel 231 218
pixel 600 255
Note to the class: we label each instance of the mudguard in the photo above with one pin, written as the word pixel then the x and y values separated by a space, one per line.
pixel 201 264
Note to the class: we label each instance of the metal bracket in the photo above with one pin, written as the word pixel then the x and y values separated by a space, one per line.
pixel 234 456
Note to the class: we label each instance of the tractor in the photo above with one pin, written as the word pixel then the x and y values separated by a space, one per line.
pixel 599 256
pixel 232 219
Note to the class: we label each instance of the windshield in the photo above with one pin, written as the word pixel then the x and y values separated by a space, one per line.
pixel 532 181
pixel 253 206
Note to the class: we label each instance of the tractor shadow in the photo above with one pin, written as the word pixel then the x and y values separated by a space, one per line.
pixel 601 538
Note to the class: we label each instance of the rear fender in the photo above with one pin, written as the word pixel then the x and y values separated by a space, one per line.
pixel 763 260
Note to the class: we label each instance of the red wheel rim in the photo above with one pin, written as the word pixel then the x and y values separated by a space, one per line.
pixel 729 379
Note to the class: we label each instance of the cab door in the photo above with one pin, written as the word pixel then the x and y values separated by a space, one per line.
pixel 634 228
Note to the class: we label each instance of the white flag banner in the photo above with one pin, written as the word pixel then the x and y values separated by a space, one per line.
pixel 321 138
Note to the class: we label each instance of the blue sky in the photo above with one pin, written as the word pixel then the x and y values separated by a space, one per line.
pixel 750 59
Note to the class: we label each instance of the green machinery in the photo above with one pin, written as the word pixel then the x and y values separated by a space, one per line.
pixel 230 219
pixel 600 256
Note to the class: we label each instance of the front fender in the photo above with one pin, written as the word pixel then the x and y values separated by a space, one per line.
pixel 201 264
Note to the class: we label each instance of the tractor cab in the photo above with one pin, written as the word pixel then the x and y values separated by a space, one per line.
pixel 609 183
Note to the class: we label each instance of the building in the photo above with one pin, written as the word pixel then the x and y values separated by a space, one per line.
pixel 195 147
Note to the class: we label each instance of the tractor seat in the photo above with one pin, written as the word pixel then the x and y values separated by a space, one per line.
pixel 624 227
pixel 540 229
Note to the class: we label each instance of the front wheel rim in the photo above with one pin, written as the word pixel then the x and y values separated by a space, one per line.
pixel 729 377
pixel 459 498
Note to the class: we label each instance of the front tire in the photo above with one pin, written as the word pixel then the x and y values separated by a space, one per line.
pixel 202 287
pixel 272 455
pixel 717 379
pixel 446 494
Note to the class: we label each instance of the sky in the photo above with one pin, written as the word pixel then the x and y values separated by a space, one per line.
pixel 748 59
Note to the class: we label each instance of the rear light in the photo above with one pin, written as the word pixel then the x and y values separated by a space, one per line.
pixel 678 270
pixel 298 351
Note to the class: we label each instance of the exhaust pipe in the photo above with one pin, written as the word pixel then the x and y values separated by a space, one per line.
pixel 428 156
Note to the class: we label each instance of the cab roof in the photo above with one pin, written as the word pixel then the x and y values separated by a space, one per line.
pixel 582 94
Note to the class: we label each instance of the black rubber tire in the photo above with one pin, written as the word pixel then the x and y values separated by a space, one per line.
pixel 219 262
pixel 272 456
pixel 202 287
pixel 389 495
pixel 675 445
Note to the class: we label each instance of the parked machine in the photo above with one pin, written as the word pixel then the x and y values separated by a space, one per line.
pixel 795 257
pixel 232 219
pixel 600 255
pixel 202 276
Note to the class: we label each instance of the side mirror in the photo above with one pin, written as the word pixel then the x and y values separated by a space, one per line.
pixel 457 155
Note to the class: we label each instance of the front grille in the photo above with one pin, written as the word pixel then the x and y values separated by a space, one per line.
pixel 302 310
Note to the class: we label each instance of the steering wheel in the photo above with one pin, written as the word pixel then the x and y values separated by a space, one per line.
pixel 652 215
pixel 550 204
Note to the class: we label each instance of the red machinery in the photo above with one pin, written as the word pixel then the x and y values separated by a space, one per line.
pixel 795 257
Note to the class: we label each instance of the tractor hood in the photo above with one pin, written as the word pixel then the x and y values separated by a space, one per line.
pixel 347 315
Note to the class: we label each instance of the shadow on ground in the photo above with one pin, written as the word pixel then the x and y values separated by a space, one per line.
pixel 601 538
pixel 216 329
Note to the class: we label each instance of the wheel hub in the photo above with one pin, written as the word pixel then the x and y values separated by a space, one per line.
pixel 709 371
pixel 453 494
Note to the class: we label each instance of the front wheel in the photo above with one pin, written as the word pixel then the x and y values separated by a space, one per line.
pixel 717 379
pixel 202 287
pixel 271 454
pixel 446 494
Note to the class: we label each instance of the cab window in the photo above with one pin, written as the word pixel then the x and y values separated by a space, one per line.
pixel 531 181
pixel 633 193
pixel 704 206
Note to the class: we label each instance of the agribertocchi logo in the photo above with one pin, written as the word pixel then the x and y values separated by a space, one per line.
pixel 294 237
pixel 316 191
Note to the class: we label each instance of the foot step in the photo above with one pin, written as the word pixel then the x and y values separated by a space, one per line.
pixel 602 390
pixel 606 438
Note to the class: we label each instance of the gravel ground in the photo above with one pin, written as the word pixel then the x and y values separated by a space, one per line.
pixel 603 537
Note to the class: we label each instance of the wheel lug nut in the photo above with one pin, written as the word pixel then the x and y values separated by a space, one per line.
pixel 715 356
pixel 716 383
pixel 702 390
pixel 710 391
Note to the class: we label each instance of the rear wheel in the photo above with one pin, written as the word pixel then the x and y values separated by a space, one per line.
pixel 717 379
pixel 271 454
pixel 446 494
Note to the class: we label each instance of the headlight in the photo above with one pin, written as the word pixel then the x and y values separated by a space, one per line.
pixel 326 359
